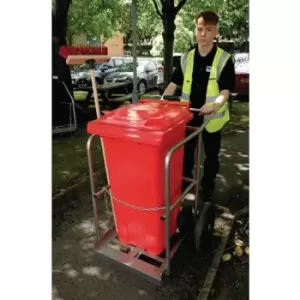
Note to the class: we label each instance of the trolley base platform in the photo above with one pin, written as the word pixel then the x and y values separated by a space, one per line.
pixel 135 259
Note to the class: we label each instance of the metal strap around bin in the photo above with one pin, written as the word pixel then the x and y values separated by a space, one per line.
pixel 134 206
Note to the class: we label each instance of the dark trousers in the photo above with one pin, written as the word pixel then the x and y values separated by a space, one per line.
pixel 212 145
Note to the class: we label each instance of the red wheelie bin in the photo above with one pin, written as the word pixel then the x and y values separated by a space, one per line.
pixel 136 139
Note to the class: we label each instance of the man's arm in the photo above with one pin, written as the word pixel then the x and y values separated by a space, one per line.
pixel 170 90
pixel 226 84
pixel 176 80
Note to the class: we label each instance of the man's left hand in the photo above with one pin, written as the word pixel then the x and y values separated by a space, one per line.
pixel 207 109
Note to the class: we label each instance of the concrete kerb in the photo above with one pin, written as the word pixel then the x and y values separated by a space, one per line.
pixel 204 291
pixel 206 287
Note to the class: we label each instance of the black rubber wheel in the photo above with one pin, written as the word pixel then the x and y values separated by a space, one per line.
pixel 204 226
pixel 185 220
pixel 82 83
pixel 99 80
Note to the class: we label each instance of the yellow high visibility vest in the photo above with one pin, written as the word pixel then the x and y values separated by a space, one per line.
pixel 221 117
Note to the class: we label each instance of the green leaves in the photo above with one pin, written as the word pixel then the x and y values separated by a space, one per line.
pixel 148 23
pixel 105 17
pixel 235 20
pixel 184 37
pixel 94 17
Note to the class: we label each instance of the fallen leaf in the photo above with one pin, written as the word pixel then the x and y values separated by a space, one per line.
pixel 239 222
pixel 226 257
pixel 239 243
pixel 247 250
pixel 238 250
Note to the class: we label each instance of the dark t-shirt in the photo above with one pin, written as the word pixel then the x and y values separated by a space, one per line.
pixel 200 80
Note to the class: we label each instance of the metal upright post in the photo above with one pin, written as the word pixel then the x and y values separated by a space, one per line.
pixel 134 49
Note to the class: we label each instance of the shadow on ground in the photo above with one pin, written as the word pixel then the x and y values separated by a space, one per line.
pixel 79 273
pixel 232 188
pixel 232 281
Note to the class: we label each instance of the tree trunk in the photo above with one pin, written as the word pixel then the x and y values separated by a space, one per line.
pixel 168 37
pixel 60 112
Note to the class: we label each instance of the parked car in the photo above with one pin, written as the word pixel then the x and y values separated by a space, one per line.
pixel 103 70
pixel 78 73
pixel 240 57
pixel 147 73
pixel 114 63
pixel 160 78
pixel 242 78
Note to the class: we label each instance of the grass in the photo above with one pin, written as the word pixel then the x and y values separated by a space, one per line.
pixel 69 160
pixel 239 117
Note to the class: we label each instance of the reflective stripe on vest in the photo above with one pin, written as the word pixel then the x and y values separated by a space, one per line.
pixel 214 116
pixel 223 58
pixel 183 61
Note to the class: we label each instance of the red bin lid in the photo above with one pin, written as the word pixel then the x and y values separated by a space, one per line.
pixel 146 116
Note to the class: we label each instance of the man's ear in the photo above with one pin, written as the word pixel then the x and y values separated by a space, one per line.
pixel 195 31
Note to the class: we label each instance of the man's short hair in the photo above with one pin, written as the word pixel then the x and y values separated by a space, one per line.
pixel 209 17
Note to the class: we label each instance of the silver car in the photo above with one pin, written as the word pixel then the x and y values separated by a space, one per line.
pixel 147 74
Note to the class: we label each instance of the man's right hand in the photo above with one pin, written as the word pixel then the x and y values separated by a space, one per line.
pixel 206 110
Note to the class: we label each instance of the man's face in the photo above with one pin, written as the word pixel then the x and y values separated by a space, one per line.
pixel 205 33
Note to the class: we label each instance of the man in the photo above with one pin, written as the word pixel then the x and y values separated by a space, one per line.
pixel 207 77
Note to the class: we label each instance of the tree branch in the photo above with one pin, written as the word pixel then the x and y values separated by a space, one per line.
pixel 156 8
pixel 180 5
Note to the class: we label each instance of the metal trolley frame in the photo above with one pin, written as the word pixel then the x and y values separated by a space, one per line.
pixel 133 258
